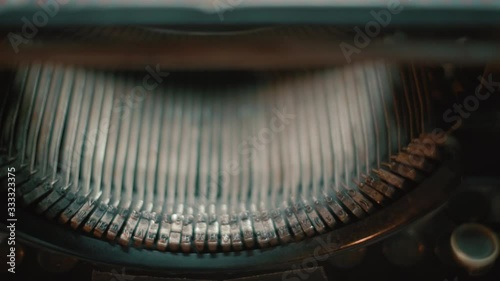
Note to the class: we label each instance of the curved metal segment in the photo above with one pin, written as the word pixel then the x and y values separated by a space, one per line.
pixel 426 197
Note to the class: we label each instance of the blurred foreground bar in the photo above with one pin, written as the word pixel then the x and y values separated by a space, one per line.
pixel 257 53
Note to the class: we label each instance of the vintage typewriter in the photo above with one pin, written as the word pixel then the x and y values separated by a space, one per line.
pixel 250 140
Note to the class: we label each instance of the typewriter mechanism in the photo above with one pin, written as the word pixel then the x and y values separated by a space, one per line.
pixel 250 140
